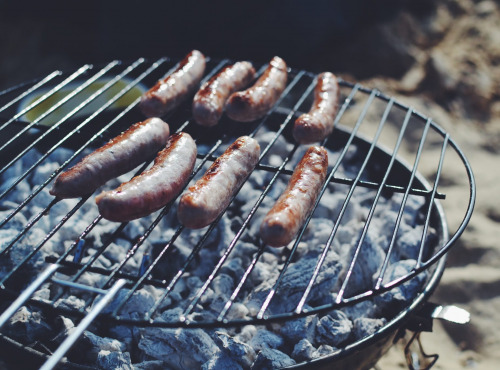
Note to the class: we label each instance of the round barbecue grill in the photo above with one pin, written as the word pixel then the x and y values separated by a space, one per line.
pixel 50 123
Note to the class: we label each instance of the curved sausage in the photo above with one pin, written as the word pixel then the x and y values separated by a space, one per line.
pixel 317 124
pixel 288 214
pixel 209 101
pixel 209 196
pixel 155 187
pixel 118 156
pixel 255 102
pixel 171 91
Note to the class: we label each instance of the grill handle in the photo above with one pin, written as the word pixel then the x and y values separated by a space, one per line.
pixel 421 321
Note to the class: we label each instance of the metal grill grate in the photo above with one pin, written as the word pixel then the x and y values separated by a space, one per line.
pixel 80 130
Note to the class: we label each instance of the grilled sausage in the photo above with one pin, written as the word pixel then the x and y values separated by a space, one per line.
pixel 171 91
pixel 210 195
pixel 255 102
pixel 118 156
pixel 287 216
pixel 209 101
pixel 155 187
pixel 317 124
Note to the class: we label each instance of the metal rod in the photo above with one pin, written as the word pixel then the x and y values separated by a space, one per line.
pixel 26 294
pixel 31 89
pixel 87 320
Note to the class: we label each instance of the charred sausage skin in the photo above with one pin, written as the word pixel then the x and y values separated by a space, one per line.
pixel 210 195
pixel 209 101
pixel 288 214
pixel 155 187
pixel 170 92
pixel 256 101
pixel 118 156
pixel 317 124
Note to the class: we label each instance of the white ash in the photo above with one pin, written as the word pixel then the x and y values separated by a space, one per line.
pixel 283 344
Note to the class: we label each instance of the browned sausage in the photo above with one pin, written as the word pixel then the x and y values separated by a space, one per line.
pixel 209 196
pixel 255 102
pixel 118 156
pixel 171 91
pixel 209 101
pixel 317 124
pixel 287 216
pixel 155 187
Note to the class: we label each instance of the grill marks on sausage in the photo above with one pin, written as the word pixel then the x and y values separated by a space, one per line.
pixel 155 187
pixel 255 102
pixel 120 155
pixel 283 221
pixel 171 91
pixel 203 202
pixel 317 124
pixel 209 101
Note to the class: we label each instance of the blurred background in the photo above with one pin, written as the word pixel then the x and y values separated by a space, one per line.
pixel 37 37
pixel 440 56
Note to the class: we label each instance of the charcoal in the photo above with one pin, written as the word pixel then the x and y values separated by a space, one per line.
pixel 237 311
pixel 150 365
pixel 398 297
pixel 240 352
pixel 114 360
pixel 333 329
pixel 295 281
pixel 298 329
pixel 172 345
pixel 270 358
pixel 323 350
pixel 223 284
pixel 221 361
pixel 246 334
pixel 303 351
pixel 64 327
pixel 266 339
pixel 6 237
pixel 27 326
pixel 102 343
pixel 366 326
pixel 71 302
pixel 139 302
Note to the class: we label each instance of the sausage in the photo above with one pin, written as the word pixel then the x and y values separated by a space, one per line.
pixel 317 124
pixel 209 101
pixel 118 156
pixel 255 102
pixel 171 91
pixel 288 214
pixel 209 196
pixel 155 187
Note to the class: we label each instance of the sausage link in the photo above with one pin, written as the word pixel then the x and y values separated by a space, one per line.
pixel 155 187
pixel 288 214
pixel 210 195
pixel 118 156
pixel 171 91
pixel 255 102
pixel 209 101
pixel 317 124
